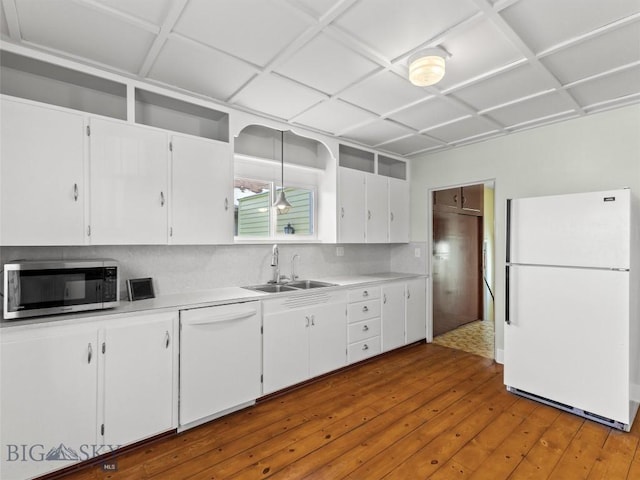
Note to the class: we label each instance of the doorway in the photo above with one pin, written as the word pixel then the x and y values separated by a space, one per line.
pixel 462 268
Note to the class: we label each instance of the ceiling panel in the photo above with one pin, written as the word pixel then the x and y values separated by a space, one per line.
pixel 255 30
pixel 430 113
pixel 333 116
pixel 153 11
pixel 602 53
pixel 545 23
pixel 475 51
pixel 384 92
pixel 277 96
pixel 317 8
pixel 608 88
pixel 458 131
pixel 517 83
pixel 327 65
pixel 394 28
pixel 409 145
pixel 76 29
pixel 537 107
pixel 379 131
pixel 199 69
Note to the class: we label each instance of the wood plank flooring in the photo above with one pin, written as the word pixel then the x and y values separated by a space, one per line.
pixel 423 412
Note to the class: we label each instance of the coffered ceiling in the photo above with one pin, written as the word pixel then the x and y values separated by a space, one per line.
pixel 340 66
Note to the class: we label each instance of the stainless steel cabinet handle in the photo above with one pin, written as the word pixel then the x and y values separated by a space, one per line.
pixel 226 204
pixel 455 198
pixel 167 339
pixel 75 192
pixel 342 212
pixel 365 328
pixel 392 216
pixel 408 293
pixel 384 298
pixel 365 309
pixel 365 347
pixel 162 199
pixel 313 320
pixel 89 353
pixel 308 321
pixel 365 293
pixel 369 214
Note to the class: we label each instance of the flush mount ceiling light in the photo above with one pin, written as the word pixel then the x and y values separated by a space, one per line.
pixel 427 67
pixel 281 204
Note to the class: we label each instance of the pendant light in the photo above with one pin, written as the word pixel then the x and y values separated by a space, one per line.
pixel 281 204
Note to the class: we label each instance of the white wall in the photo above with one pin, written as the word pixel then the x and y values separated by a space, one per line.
pixel 597 152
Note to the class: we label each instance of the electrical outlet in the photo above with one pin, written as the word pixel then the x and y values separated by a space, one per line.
pixel 339 251
pixel 417 253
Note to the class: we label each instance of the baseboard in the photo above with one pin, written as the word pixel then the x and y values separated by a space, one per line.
pixel 500 355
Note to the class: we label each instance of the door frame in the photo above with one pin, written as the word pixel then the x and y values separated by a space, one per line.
pixel 429 252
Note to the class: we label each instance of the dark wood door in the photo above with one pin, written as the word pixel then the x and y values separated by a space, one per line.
pixel 457 270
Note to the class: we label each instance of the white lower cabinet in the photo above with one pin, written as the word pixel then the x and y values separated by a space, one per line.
pixel 416 323
pixel 304 336
pixel 139 378
pixel 59 392
pixel 364 323
pixel 393 316
pixel 220 360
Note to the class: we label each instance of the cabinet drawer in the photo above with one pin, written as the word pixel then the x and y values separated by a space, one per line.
pixel 364 349
pixel 362 330
pixel 363 310
pixel 365 293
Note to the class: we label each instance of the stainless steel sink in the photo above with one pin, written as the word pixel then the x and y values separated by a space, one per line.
pixel 306 284
pixel 271 288
pixel 289 287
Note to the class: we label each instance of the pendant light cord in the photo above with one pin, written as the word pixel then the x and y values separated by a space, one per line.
pixel 282 160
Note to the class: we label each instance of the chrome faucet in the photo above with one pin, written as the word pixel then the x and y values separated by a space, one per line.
pixel 275 264
pixel 294 275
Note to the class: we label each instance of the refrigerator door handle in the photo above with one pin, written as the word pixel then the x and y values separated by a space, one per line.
pixel 507 320
pixel 508 228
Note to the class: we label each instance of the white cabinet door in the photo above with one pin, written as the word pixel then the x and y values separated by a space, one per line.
pixel 129 197
pixel 42 176
pixel 377 209
pixel 48 402
pixel 416 310
pixel 351 206
pixel 399 210
pixel 138 378
pixel 327 338
pixel 201 192
pixel 286 349
pixel 220 359
pixel 393 316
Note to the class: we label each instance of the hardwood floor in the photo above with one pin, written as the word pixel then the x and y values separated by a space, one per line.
pixel 425 411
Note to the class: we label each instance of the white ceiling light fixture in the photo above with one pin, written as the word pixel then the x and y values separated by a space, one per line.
pixel 281 204
pixel 427 67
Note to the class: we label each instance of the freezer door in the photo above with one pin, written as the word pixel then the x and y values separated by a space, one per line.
pixel 568 337
pixel 584 229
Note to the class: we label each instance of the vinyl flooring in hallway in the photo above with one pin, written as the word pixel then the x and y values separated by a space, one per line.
pixel 475 337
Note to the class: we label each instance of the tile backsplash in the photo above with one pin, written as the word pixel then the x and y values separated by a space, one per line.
pixel 179 269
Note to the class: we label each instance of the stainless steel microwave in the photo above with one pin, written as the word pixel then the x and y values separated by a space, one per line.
pixel 48 287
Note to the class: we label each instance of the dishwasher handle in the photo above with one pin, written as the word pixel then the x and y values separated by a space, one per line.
pixel 221 318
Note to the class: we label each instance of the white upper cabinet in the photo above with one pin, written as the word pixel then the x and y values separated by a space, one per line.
pixel 129 184
pixel 377 230
pixel 351 206
pixel 42 176
pixel 399 210
pixel 201 191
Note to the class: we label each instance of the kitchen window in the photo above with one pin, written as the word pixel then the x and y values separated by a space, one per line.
pixel 256 218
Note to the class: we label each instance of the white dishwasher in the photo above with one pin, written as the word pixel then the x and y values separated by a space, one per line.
pixel 220 361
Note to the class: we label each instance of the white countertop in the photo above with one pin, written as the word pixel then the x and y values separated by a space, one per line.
pixel 205 298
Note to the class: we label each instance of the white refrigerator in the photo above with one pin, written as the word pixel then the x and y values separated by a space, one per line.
pixel 571 332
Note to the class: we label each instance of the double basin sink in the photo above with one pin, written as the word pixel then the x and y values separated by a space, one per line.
pixel 289 287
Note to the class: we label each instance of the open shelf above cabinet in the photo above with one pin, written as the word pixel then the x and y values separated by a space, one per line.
pixel 169 113
pixel 32 79
pixel 390 167
pixel 357 159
